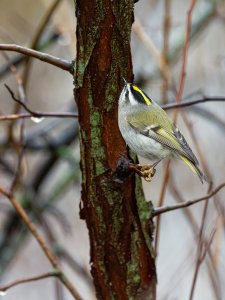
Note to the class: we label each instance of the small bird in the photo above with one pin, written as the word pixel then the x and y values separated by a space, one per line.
pixel 149 132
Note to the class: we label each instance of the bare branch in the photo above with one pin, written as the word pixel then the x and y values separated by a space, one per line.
pixel 151 47
pixel 18 59
pixel 26 219
pixel 29 279
pixel 15 117
pixel 195 229
pixel 164 209
pixel 184 52
pixel 50 59
pixel 36 39
pixel 38 114
pixel 184 58
pixel 175 114
pixel 165 50
pixel 207 246
pixel 161 201
pixel 18 170
pixel 32 113
pixel 185 103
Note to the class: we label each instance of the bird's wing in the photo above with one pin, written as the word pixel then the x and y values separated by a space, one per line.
pixel 167 135
pixel 184 144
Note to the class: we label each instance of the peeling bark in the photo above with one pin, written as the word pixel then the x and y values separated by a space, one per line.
pixel 117 215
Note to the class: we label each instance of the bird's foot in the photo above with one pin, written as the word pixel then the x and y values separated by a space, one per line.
pixel 147 171
pixel 125 166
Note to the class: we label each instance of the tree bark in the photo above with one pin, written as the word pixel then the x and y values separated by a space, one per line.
pixel 117 216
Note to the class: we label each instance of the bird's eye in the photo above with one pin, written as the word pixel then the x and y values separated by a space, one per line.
pixel 138 96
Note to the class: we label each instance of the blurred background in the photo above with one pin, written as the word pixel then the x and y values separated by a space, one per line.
pixel 48 185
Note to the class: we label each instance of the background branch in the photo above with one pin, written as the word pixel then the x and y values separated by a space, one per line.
pixel 23 215
pixel 164 209
pixel 29 279
pixel 50 59
pixel 32 112
pixel 185 103
pixel 37 36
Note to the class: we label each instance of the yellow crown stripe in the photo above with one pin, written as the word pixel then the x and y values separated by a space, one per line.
pixel 147 100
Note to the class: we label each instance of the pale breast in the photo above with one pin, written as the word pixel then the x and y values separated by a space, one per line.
pixel 142 145
pixel 147 147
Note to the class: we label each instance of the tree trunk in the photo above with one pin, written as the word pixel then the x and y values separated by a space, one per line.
pixel 117 215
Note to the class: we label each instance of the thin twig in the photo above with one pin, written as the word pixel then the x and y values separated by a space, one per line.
pixel 50 59
pixel 165 209
pixel 29 279
pixel 36 39
pixel 19 81
pixel 195 230
pixel 31 112
pixel 201 241
pixel 53 241
pixel 62 254
pixel 165 87
pixel 186 103
pixel 165 51
pixel 20 148
pixel 200 250
pixel 37 114
pixel 24 216
pixel 207 246
pixel 178 98
pixel 160 202
pixel 184 57
pixel 200 247
pixel 18 176
pixel 18 59
pixel 151 47
pixel 184 52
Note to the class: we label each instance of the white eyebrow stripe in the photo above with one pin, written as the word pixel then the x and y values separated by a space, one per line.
pixel 132 100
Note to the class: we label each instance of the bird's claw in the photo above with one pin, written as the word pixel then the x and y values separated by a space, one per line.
pixel 125 166
pixel 147 172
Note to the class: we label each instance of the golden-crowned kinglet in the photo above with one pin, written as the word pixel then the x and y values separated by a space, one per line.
pixel 149 132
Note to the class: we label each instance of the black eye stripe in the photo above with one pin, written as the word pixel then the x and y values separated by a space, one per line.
pixel 138 96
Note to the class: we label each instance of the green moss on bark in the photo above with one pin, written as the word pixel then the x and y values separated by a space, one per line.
pixel 115 211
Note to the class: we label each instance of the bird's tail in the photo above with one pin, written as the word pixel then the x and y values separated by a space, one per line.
pixel 194 169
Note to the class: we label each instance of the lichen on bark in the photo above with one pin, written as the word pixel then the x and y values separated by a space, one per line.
pixel 117 216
